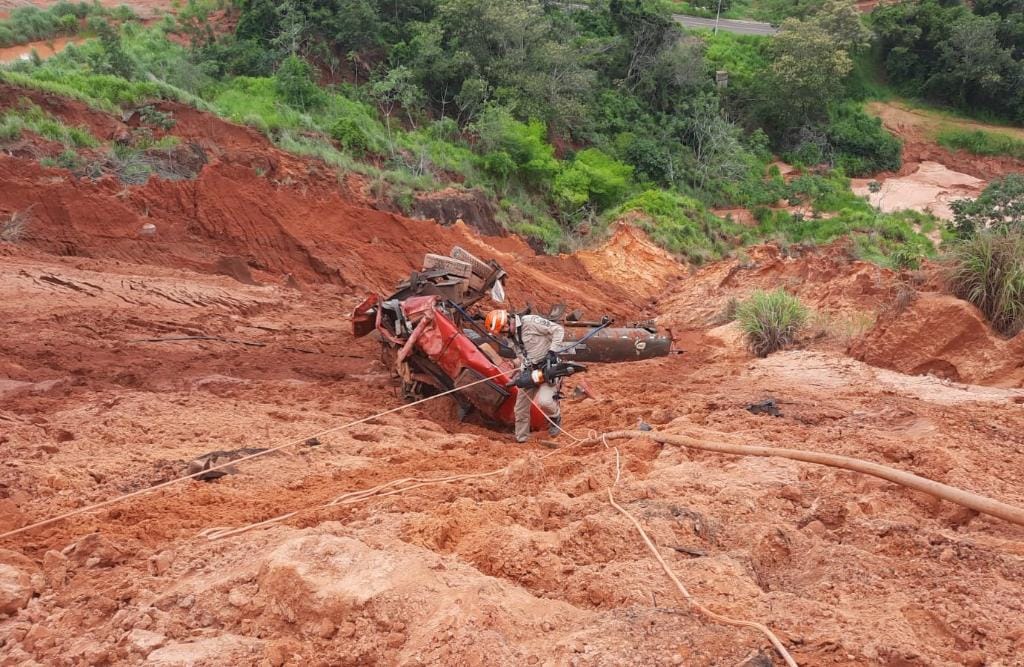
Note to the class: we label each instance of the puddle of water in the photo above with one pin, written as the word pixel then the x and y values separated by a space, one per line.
pixel 45 49
pixel 930 189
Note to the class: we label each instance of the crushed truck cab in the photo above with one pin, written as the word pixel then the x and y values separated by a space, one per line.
pixel 433 343
pixel 426 345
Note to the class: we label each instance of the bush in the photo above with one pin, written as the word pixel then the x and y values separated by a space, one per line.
pixel 12 227
pixel 524 143
pixel 129 164
pixel 1001 205
pixel 988 270
pixel 592 178
pixel 862 146
pixel 770 320
pixel 295 84
pixel 349 135
pixel 10 128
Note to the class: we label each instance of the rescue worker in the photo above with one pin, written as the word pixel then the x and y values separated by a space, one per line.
pixel 537 340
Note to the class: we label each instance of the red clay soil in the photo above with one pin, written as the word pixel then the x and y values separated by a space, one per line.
pixel 917 129
pixel 531 566
pixel 941 335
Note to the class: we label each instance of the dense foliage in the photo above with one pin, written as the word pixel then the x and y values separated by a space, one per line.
pixel 967 55
pixel 1000 207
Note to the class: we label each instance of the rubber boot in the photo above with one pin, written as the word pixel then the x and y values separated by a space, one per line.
pixel 556 426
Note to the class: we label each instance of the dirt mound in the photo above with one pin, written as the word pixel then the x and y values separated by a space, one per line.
pixel 451 205
pixel 630 259
pixel 943 336
pixel 827 278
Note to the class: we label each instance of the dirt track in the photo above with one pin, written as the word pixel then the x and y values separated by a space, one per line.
pixel 529 567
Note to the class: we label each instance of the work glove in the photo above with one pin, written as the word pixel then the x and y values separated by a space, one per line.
pixel 552 359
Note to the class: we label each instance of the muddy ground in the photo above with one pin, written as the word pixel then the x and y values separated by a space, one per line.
pixel 532 565
pixel 932 176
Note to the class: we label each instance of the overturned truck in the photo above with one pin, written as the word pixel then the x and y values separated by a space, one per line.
pixel 434 341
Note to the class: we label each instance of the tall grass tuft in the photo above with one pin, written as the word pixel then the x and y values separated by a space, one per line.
pixel 988 270
pixel 771 320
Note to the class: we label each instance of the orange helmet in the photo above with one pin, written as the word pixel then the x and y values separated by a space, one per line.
pixel 496 321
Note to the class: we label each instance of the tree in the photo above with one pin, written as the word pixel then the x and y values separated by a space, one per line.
pixel 294 82
pixel 258 21
pixel 716 143
pixel 808 67
pixel 292 30
pixel 397 89
pixel 976 67
pixel 676 69
pixel 645 35
pixel 1000 206
pixel 842 20
pixel 112 57
pixel 353 25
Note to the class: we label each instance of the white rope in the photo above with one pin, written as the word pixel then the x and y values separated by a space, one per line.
pixel 290 443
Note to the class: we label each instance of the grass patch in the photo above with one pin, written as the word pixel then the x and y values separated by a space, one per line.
pixel 980 142
pixel 28 116
pixel 988 270
pixel 771 320
pixel 682 225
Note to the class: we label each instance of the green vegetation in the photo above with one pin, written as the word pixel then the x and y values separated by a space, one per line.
pixel 770 321
pixel 980 142
pixel 1000 207
pixel 967 55
pixel 31 24
pixel 893 240
pixel 987 260
pixel 681 225
pixel 28 116
pixel 988 270
pixel 567 118
pixel 862 146
pixel 771 11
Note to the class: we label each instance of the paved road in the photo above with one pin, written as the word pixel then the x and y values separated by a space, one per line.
pixel 728 25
